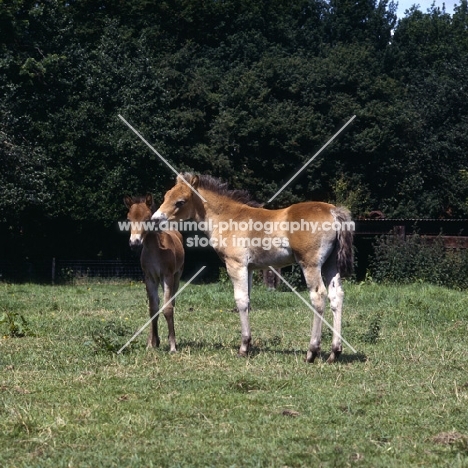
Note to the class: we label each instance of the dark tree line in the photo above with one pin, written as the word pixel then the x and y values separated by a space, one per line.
pixel 246 90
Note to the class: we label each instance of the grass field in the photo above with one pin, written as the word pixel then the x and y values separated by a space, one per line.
pixel 67 400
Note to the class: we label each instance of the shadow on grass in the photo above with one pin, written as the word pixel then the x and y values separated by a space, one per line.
pixel 200 345
pixel 257 350
pixel 343 359
pixel 348 358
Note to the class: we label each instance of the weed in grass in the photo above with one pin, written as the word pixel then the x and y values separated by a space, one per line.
pixel 17 326
pixel 373 332
pixel 111 338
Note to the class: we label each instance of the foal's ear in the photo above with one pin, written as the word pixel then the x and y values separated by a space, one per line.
pixel 149 200
pixel 128 201
pixel 194 181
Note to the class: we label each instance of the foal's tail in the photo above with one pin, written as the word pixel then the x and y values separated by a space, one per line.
pixel 345 254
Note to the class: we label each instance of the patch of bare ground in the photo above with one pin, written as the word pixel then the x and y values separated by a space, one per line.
pixel 450 438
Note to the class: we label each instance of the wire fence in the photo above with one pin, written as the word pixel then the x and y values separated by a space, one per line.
pixel 66 270
pixel 62 271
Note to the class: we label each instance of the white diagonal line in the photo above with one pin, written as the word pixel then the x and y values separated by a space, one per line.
pixel 311 159
pixel 310 307
pixel 161 309
pixel 163 159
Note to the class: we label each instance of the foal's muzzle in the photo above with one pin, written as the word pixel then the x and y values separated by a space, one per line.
pixel 135 244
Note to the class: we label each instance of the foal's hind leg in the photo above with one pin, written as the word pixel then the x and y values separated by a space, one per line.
pixel 153 299
pixel 317 294
pixel 240 277
pixel 335 295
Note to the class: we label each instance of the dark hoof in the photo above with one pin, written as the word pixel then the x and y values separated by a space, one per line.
pixel 311 356
pixel 334 356
pixel 153 342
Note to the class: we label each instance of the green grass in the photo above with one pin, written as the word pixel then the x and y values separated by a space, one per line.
pixel 66 400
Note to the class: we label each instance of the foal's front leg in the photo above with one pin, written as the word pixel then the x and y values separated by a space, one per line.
pixel 152 286
pixel 169 291
pixel 240 280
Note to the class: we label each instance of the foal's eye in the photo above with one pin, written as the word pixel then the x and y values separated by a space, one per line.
pixel 179 203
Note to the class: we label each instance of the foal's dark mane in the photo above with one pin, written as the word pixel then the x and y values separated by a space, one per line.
pixel 219 187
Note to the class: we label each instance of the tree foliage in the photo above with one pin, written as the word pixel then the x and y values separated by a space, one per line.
pixel 244 90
